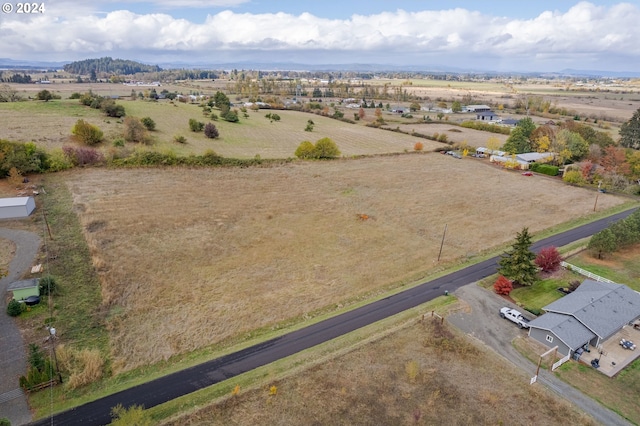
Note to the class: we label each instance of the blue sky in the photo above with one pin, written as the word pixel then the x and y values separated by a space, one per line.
pixel 482 35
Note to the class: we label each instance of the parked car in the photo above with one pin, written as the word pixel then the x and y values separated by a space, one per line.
pixel 514 316
pixel 527 174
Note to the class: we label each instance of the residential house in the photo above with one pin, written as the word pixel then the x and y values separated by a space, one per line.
pixel 590 315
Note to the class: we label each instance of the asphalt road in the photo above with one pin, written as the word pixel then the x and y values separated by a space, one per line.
pixel 186 381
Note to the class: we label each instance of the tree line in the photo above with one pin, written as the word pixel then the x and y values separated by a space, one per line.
pixel 109 65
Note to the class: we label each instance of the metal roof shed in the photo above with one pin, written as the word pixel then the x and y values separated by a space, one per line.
pixel 16 207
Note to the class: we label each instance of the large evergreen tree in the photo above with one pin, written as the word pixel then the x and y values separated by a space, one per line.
pixel 518 264
pixel 630 132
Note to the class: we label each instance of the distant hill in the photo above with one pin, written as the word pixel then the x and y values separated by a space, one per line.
pixel 109 65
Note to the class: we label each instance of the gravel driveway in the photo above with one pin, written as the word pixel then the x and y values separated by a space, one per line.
pixel 484 323
pixel 13 359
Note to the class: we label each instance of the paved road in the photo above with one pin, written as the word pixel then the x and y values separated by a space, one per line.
pixel 13 359
pixel 484 323
pixel 183 382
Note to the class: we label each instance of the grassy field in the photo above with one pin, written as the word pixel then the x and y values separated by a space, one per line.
pixel 253 136
pixel 162 264
pixel 420 374
pixel 622 267
pixel 620 394
pixel 221 252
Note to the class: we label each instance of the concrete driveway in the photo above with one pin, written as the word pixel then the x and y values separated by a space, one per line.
pixel 484 323
pixel 13 358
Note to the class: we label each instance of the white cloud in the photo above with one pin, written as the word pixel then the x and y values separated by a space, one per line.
pixel 584 31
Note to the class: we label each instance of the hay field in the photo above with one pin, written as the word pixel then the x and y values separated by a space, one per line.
pixel 455 134
pixel 253 136
pixel 189 258
pixel 424 374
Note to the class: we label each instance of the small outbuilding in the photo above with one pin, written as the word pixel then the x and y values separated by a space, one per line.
pixel 25 288
pixel 16 207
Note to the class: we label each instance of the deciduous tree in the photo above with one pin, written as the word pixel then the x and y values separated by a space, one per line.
pixel 548 259
pixel 134 130
pixel 87 133
pixel 211 131
pixel 603 243
pixel 44 95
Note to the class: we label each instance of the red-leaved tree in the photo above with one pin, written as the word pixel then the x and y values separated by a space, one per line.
pixel 548 259
pixel 503 286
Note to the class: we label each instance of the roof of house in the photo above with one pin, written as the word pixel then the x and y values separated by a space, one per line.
pixel 568 329
pixel 602 307
pixel 510 121
pixel 486 114
pixel 533 156
pixel 14 201
pixel 19 285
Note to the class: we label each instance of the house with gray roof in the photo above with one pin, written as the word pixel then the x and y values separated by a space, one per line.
pixel 593 313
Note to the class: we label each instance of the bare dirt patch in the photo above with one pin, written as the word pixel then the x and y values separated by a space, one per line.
pixel 191 257
pixel 424 374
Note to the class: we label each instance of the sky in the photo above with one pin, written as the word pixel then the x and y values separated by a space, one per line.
pixel 489 35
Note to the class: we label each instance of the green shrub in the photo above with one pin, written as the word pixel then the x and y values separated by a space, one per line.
pixel 148 123
pixel 231 116
pixel 119 142
pixel 48 285
pixel 179 139
pixel 109 107
pixel 87 133
pixel 546 169
pixel 14 308
pixel 574 177
pixel 25 157
pixel 195 125
pixel 57 161
pixel 4 421
pixel 305 150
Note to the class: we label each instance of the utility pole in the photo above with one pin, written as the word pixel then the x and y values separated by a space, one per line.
pixel 442 243
pixel 52 332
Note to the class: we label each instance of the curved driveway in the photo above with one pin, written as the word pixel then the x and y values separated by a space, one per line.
pixel 183 382
pixel 13 359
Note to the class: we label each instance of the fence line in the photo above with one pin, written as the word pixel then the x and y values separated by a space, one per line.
pixel 559 363
pixel 586 273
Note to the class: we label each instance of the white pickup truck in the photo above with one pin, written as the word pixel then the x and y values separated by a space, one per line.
pixel 515 316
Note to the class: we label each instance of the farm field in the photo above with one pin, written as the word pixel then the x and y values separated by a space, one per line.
pixel 418 375
pixel 190 258
pixel 253 136
pixel 455 134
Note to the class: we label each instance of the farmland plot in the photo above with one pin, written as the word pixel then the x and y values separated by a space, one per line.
pixel 189 258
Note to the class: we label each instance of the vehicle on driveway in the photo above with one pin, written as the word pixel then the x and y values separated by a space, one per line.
pixel 527 174
pixel 514 316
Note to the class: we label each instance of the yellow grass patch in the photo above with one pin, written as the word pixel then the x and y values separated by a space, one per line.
pixel 191 257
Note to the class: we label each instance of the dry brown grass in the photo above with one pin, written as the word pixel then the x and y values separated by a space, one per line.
pixel 374 385
pixel 190 258
pixel 7 250
pixel 83 366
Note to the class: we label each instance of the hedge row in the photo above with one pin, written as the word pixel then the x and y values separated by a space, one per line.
pixel 545 169
pixel 479 125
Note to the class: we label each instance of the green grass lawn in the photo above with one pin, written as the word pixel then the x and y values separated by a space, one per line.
pixel 622 267
pixel 540 294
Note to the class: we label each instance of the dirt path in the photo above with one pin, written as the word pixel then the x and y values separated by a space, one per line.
pixel 13 359
pixel 484 323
